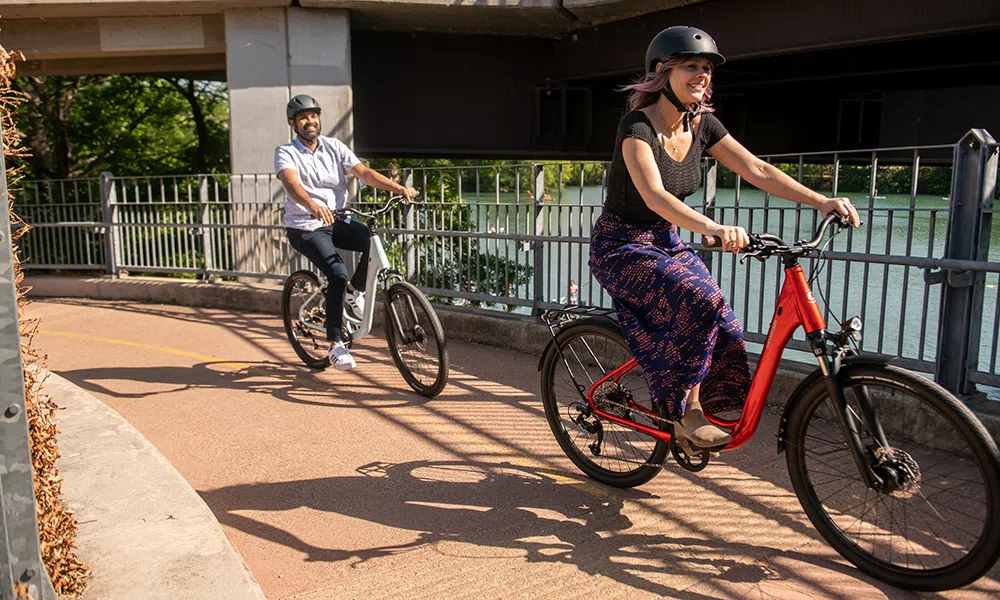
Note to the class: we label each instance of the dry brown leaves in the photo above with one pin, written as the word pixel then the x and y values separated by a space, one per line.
pixel 57 526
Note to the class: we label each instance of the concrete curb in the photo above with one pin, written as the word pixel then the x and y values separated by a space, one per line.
pixel 145 532
pixel 489 327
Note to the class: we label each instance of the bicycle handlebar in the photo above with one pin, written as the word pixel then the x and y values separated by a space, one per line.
pixel 765 245
pixel 391 203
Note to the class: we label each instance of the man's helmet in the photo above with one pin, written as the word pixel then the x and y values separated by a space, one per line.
pixel 682 40
pixel 300 103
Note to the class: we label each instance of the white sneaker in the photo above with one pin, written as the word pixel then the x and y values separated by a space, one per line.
pixel 356 303
pixel 340 357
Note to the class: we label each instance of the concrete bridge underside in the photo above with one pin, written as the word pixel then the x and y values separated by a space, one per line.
pixel 491 78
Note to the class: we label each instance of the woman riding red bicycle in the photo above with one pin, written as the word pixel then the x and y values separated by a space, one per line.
pixel 896 473
pixel 673 315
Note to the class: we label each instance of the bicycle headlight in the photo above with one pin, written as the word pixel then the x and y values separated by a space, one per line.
pixel 853 328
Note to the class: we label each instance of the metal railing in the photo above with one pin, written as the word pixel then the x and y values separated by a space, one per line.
pixel 920 272
pixel 21 568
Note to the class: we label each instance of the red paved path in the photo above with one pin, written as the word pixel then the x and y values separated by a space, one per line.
pixel 348 485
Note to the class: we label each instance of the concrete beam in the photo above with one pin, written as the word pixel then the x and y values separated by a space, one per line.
pixel 209 66
pixel 101 38
pixel 771 27
pixel 66 9
pixel 592 12
pixel 507 17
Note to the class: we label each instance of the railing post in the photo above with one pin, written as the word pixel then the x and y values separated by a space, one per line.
pixel 206 232
pixel 410 219
pixel 109 213
pixel 538 247
pixel 20 553
pixel 968 238
pixel 710 175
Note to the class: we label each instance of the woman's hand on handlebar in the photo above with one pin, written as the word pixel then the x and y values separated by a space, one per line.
pixel 843 207
pixel 321 212
pixel 730 237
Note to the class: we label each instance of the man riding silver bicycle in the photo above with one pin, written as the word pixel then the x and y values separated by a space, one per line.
pixel 313 170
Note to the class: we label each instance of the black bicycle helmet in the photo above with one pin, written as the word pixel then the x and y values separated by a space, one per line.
pixel 300 103
pixel 683 40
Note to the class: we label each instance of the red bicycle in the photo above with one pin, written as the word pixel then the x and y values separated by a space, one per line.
pixel 895 472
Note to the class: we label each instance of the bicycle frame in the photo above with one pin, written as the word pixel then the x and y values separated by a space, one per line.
pixel 378 266
pixel 796 307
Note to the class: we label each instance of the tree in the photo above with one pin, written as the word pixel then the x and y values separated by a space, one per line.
pixel 80 126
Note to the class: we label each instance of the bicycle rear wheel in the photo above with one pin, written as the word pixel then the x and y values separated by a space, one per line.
pixel 937 530
pixel 608 452
pixel 416 339
pixel 303 309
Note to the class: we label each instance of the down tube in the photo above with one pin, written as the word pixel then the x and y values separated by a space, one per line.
pixel 377 261
pixel 783 324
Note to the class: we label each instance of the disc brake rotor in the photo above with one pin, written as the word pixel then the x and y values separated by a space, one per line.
pixel 905 466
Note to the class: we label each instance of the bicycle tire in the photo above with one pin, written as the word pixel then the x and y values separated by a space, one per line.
pixel 647 462
pixel 316 360
pixel 982 454
pixel 431 381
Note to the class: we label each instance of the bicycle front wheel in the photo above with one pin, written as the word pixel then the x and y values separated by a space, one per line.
pixel 303 310
pixel 416 339
pixel 937 529
pixel 613 454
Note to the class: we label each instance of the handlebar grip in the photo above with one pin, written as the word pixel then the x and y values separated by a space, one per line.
pixel 709 241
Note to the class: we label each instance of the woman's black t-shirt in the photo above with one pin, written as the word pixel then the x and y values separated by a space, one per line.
pixel 679 178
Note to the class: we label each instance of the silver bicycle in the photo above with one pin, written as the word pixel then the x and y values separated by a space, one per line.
pixel 413 330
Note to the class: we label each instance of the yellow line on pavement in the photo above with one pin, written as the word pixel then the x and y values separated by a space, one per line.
pixel 67 334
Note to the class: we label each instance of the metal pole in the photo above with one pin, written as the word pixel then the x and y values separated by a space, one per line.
pixel 206 232
pixel 19 553
pixel 538 247
pixel 710 175
pixel 410 218
pixel 968 238
pixel 108 213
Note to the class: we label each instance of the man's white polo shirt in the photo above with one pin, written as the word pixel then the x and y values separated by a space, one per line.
pixel 321 173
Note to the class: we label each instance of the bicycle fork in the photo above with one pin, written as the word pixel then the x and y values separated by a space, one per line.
pixel 846 417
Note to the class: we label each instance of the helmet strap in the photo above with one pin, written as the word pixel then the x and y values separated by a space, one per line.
pixel 687 112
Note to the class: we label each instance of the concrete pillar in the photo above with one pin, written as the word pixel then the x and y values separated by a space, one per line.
pixel 257 74
pixel 271 55
pixel 319 56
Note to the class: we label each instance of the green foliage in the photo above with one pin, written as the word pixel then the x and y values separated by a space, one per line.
pixel 126 124
pixel 855 179
pixel 461 264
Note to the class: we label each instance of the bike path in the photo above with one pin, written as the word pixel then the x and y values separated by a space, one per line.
pixel 349 485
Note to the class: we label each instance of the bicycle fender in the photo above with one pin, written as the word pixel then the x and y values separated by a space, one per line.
pixel 816 379
pixel 551 346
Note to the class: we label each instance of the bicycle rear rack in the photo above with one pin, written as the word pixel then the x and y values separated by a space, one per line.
pixel 557 318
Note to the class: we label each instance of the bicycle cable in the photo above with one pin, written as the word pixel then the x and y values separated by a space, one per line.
pixel 814 277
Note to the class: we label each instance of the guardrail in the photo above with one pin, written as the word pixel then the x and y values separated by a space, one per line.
pixel 21 568
pixel 920 272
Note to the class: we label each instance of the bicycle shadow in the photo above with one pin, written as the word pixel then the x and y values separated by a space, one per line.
pixel 287 382
pixel 528 510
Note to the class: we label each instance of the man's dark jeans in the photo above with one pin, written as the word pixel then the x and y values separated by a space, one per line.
pixel 320 247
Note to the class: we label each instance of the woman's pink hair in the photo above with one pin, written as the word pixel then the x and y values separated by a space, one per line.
pixel 647 90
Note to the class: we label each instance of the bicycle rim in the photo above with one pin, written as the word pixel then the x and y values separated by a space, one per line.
pixel 303 306
pixel 416 339
pixel 934 532
pixel 607 451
